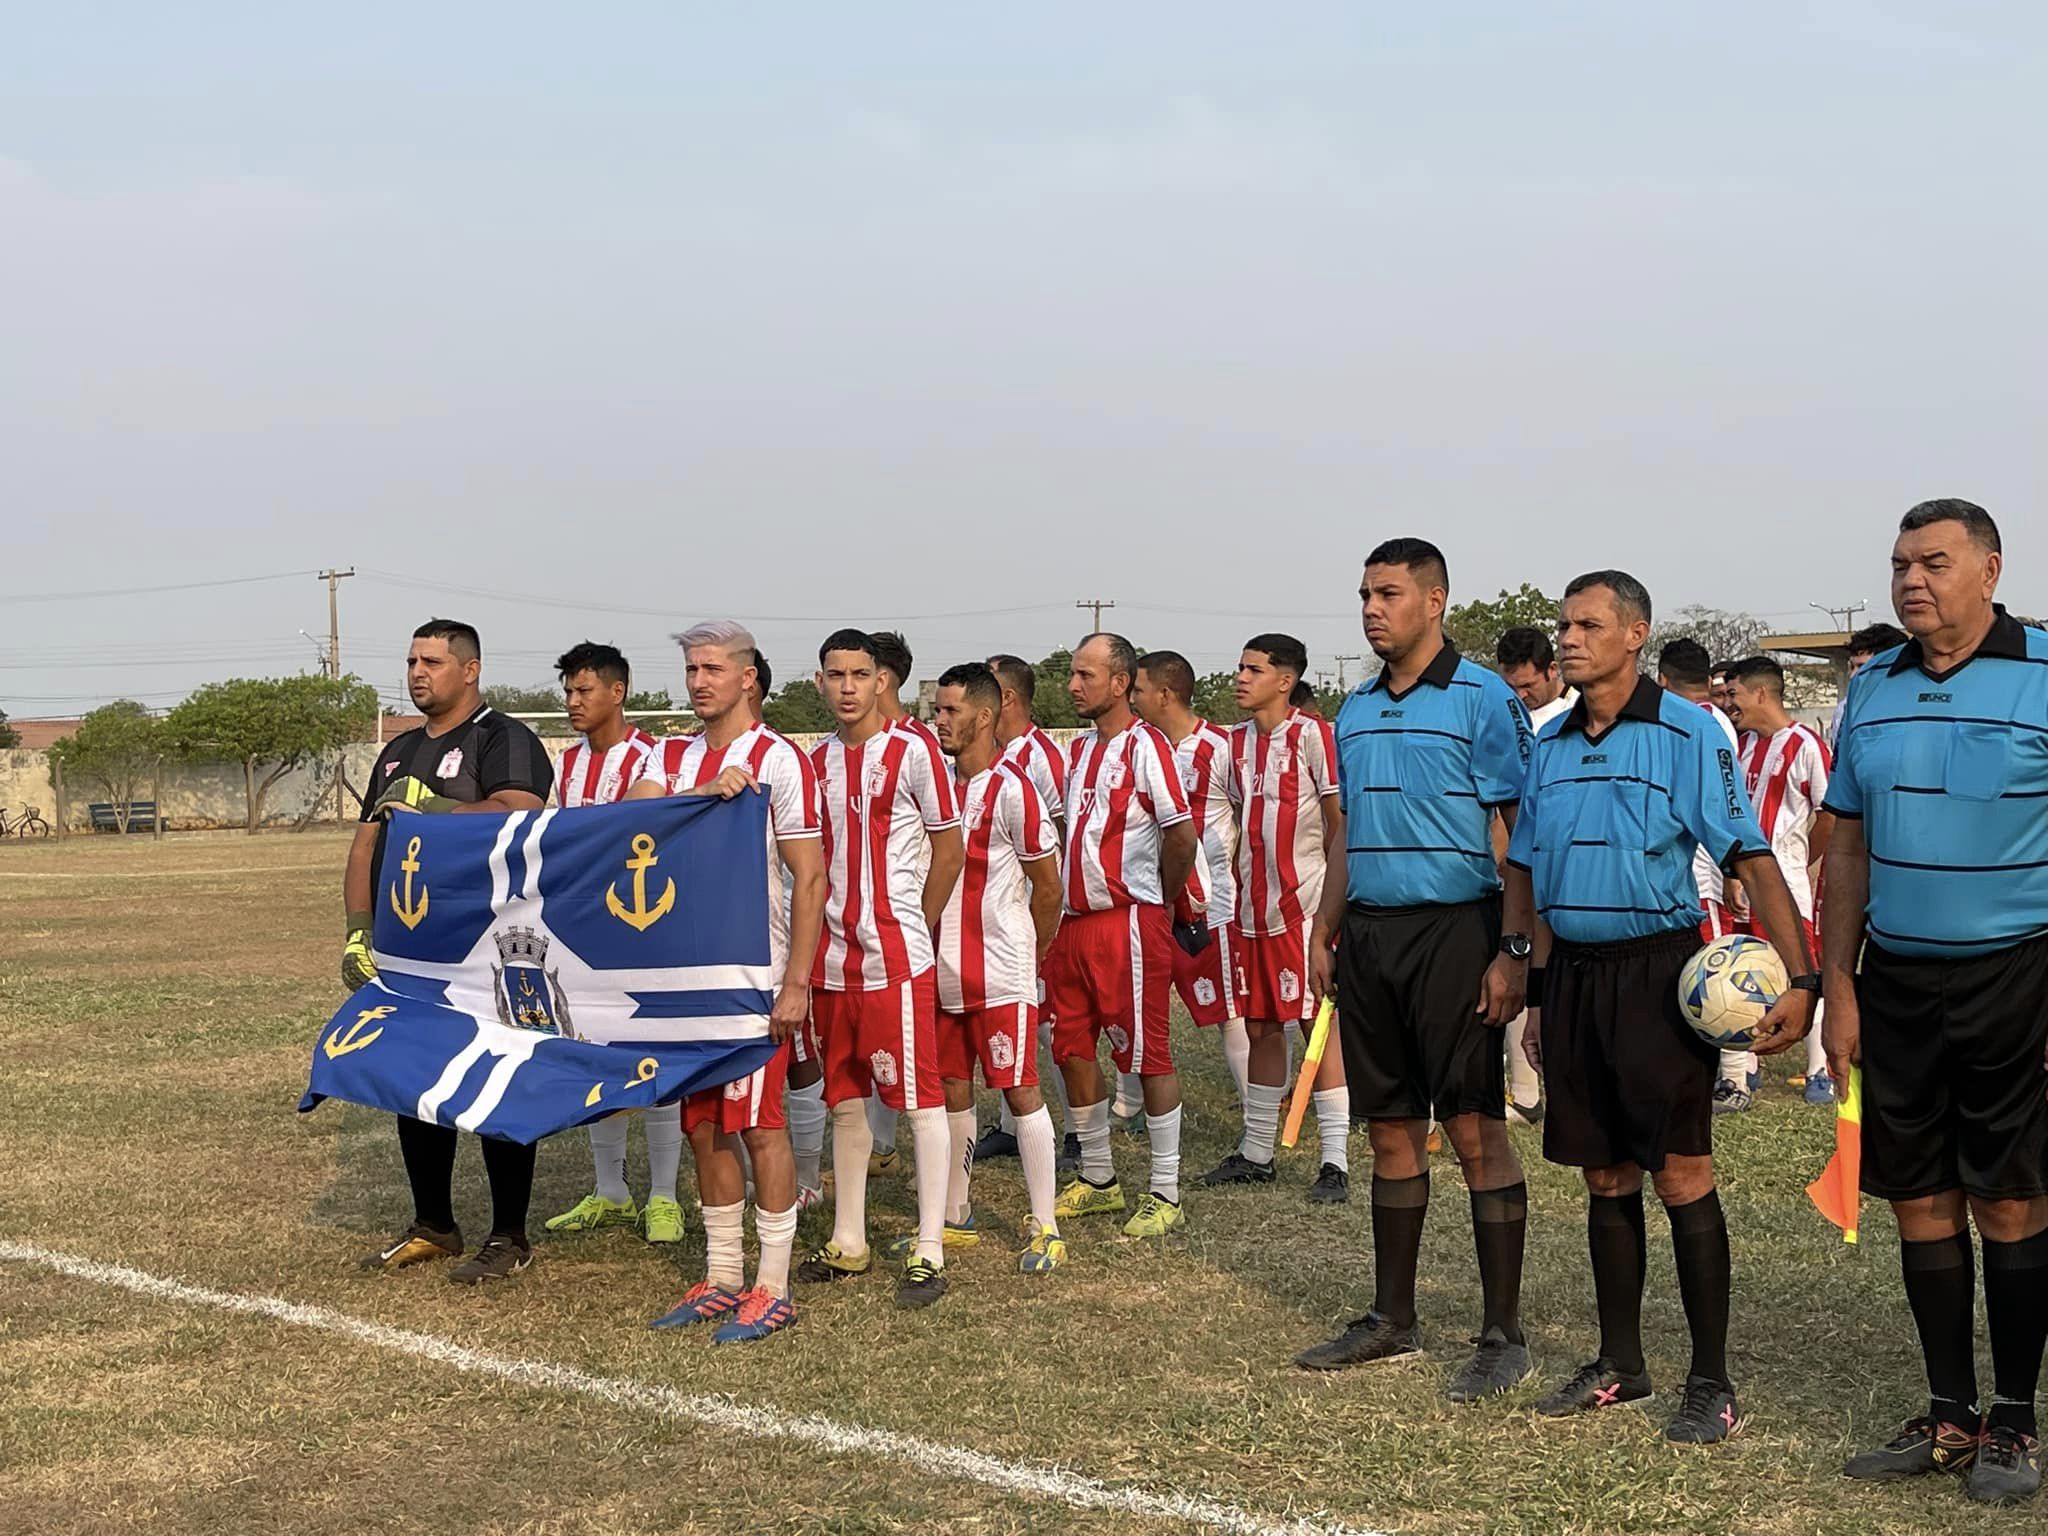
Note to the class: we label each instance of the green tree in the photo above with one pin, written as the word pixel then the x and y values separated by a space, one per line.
pixel 1216 698
pixel 798 709
pixel 271 725
pixel 1050 705
pixel 524 698
pixel 117 746
pixel 9 736
pixel 1475 628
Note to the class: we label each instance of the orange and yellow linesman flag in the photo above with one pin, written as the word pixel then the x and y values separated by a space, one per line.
pixel 1305 1085
pixel 1836 1193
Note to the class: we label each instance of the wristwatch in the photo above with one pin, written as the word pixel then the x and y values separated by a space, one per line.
pixel 1515 946
pixel 1810 982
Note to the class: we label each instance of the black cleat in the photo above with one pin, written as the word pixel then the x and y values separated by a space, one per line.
pixel 1371 1338
pixel 1496 1366
pixel 1332 1186
pixel 1706 1415
pixel 995 1142
pixel 1068 1164
pixel 2008 1469
pixel 922 1284
pixel 1239 1169
pixel 501 1257
pixel 1596 1384
pixel 1924 1445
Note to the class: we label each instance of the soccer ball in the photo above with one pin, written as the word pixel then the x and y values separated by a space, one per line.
pixel 1726 989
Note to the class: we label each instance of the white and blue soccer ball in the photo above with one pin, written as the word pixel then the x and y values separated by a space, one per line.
pixel 1726 989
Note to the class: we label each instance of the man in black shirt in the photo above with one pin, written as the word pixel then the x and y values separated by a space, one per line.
pixel 466 758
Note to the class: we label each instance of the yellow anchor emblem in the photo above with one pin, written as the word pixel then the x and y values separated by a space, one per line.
pixel 641 916
pixel 340 1043
pixel 647 1068
pixel 410 913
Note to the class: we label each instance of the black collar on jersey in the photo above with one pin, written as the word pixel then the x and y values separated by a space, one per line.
pixel 1441 669
pixel 1646 703
pixel 2006 642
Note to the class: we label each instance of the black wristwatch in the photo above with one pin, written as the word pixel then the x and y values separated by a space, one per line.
pixel 1516 946
pixel 1810 982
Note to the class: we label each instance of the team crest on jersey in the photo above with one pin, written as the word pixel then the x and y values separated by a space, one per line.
pixel 1000 1052
pixel 737 1089
pixel 529 995
pixel 1290 987
pixel 1113 775
pixel 1278 760
pixel 883 1068
pixel 451 763
pixel 878 778
pixel 1205 991
pixel 1118 1040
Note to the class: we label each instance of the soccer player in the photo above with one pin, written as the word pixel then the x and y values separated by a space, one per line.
pixel 1940 857
pixel 1283 777
pixel 1130 841
pixel 763 686
pixel 1863 645
pixel 466 758
pixel 1205 961
pixel 735 754
pixel 1604 859
pixel 599 770
pixel 998 925
pixel 1429 752
pixel 892 854
pixel 1785 766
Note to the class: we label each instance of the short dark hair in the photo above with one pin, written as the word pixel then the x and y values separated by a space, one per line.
pixel 607 661
pixel 1949 509
pixel 1630 595
pixel 978 681
pixel 849 640
pixel 764 675
pixel 1170 670
pixel 1123 656
pixel 1524 646
pixel 462 638
pixel 1685 660
pixel 1872 638
pixel 1301 696
pixel 1284 651
pixel 892 652
pixel 1015 674
pixel 1419 555
pixel 1753 670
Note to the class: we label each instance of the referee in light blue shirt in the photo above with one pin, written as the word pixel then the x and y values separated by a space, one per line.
pixel 1940 858
pixel 1622 789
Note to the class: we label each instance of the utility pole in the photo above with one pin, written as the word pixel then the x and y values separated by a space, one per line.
pixel 1340 660
pixel 1095 605
pixel 334 578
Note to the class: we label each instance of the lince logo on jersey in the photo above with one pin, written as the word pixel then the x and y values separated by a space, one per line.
pixel 1593 757
pixel 1732 796
pixel 1937 698
pixel 1392 714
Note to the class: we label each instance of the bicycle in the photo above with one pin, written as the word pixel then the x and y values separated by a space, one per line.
pixel 29 823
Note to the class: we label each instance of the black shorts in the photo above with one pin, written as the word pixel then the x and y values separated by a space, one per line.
pixel 1627 1079
pixel 1407 994
pixel 1954 1096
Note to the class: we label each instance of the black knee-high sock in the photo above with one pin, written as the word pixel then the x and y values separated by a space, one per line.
pixel 1941 1288
pixel 1500 1221
pixel 1614 1232
pixel 1699 1242
pixel 1399 1207
pixel 429 1153
pixel 2016 1308
pixel 509 1167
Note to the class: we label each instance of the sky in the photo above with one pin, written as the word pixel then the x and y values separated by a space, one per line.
pixel 591 322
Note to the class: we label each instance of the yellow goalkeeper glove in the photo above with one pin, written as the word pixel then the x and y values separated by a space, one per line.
pixel 358 969
pixel 410 794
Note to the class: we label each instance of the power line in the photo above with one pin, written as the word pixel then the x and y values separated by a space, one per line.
pixel 176 586
pixel 1095 605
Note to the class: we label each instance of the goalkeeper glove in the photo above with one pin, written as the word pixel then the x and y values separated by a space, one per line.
pixel 410 794
pixel 358 969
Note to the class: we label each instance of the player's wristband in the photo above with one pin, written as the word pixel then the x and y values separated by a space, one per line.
pixel 358 922
pixel 1810 982
pixel 1534 995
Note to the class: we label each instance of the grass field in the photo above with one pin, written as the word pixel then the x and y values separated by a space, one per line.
pixel 158 1002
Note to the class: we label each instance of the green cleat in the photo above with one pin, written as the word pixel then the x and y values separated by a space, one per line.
pixel 1081 1198
pixel 662 1220
pixel 1155 1217
pixel 959 1234
pixel 594 1211
pixel 1048 1251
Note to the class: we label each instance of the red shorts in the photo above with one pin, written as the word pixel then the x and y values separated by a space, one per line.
pixel 885 1041
pixel 1754 929
pixel 1004 1039
pixel 1272 977
pixel 1112 974
pixel 751 1103
pixel 1716 922
pixel 1207 983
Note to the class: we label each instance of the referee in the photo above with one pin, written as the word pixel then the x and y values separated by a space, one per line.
pixel 1427 753
pixel 1622 789
pixel 467 757
pixel 1940 857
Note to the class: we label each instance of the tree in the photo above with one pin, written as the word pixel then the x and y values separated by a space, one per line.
pixel 524 699
pixel 117 746
pixel 1051 706
pixel 9 736
pixel 1216 698
pixel 1475 628
pixel 798 709
pixel 1728 636
pixel 271 725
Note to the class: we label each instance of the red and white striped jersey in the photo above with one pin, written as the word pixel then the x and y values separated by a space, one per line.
pixel 1121 791
pixel 1045 765
pixel 1281 780
pixel 988 945
pixel 1203 757
pixel 942 767
pixel 584 777
pixel 1787 774
pixel 882 800
pixel 1706 874
pixel 786 778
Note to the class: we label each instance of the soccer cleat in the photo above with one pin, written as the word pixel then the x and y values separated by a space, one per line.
pixel 1155 1217
pixel 1525 1114
pixel 1332 1186
pixel 1820 1089
pixel 1364 1341
pixel 1922 1446
pixel 704 1302
pixel 880 1161
pixel 662 1220
pixel 1706 1415
pixel 1496 1366
pixel 1239 1169
pixel 922 1284
pixel 594 1211
pixel 958 1234
pixel 1068 1163
pixel 1132 1125
pixel 1731 1098
pixel 2008 1469
pixel 833 1263
pixel 1081 1198
pixel 1596 1384
pixel 806 1197
pixel 418 1244
pixel 760 1314
pixel 995 1142
pixel 500 1258
pixel 1048 1251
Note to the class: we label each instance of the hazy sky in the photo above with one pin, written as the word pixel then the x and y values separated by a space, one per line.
pixel 806 314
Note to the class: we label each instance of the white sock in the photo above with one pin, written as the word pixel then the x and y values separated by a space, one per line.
pixel 1524 1086
pixel 725 1258
pixel 777 1232
pixel 1237 1054
pixel 608 1157
pixel 1816 1057
pixel 1163 1132
pixel 1262 1103
pixel 1736 1067
pixel 1091 1124
pixel 807 1133
pixel 1130 1095
pixel 929 1139
pixel 664 1126
pixel 881 1124
pixel 1007 1120
pixel 1050 1078
pixel 1333 1126
pixel 960 1164
pixel 1291 1029
pixel 1036 1148
pixel 851 1144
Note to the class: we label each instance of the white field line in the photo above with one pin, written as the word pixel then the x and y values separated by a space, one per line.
pixel 719 1413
